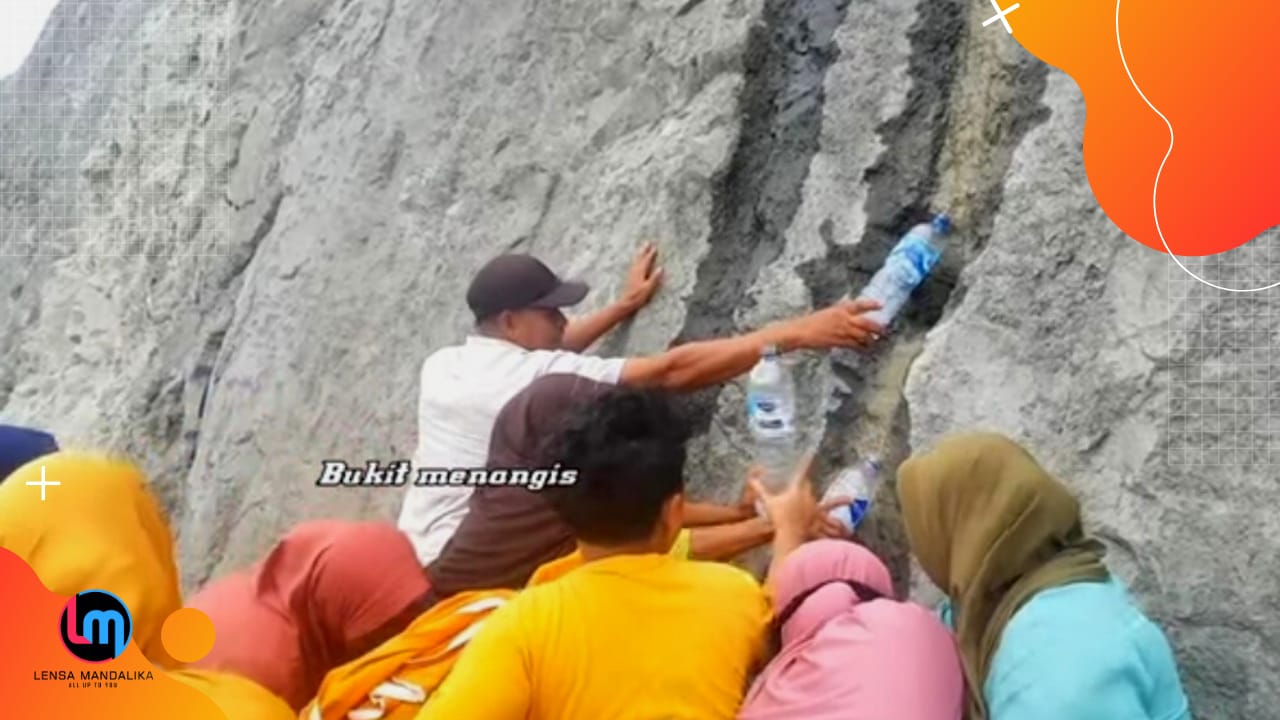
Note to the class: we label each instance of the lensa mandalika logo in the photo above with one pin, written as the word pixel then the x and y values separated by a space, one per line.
pixel 96 626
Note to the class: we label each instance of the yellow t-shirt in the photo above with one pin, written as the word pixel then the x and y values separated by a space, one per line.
pixel 630 637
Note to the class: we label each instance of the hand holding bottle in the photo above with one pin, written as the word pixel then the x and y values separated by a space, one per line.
pixel 793 510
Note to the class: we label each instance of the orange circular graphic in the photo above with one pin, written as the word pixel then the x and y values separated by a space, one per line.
pixel 187 635
pixel 1180 140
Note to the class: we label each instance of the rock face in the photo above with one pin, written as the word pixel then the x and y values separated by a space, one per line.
pixel 232 233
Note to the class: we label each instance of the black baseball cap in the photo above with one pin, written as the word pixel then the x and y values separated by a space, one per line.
pixel 515 281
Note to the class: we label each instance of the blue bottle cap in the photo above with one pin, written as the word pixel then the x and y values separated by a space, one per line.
pixel 942 223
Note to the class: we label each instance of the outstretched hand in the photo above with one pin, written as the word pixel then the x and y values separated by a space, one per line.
pixel 844 324
pixel 822 526
pixel 794 510
pixel 825 526
pixel 643 279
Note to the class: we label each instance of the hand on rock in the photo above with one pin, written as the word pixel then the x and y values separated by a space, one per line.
pixel 643 279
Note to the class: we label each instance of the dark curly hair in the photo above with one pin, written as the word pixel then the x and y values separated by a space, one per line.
pixel 628 448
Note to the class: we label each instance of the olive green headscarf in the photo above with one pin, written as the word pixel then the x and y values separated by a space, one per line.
pixel 991 528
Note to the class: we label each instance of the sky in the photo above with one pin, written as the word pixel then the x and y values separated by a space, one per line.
pixel 20 24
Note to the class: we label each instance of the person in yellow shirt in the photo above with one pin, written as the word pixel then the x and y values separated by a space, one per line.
pixel 634 633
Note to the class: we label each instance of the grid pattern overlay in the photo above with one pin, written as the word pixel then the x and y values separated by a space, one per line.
pixel 1224 395
pixel 113 134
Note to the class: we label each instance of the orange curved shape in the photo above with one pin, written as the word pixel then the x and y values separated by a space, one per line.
pixel 1212 70
pixel 29 618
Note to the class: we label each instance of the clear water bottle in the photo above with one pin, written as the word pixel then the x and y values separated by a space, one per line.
pixel 908 264
pixel 771 407
pixel 860 482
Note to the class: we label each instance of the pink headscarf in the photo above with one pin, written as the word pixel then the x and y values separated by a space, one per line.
pixel 845 659
pixel 328 592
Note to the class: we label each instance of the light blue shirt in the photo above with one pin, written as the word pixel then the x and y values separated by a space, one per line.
pixel 1083 651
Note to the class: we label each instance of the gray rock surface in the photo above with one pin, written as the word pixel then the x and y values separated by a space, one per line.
pixel 231 233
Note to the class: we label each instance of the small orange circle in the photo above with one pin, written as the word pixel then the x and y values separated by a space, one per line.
pixel 187 635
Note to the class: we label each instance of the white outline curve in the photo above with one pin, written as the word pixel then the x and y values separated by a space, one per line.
pixel 1155 191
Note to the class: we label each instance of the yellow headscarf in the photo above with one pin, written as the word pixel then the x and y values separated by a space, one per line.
pixel 102 529
pixel 991 528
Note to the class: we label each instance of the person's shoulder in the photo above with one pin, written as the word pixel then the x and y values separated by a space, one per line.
pixel 516 612
pixel 439 362
pixel 1093 626
pixel 592 367
pixel 1098 635
pixel 448 353
pixel 1060 612
pixel 446 367
pixel 531 614
pixel 558 355
pixel 1081 599
pixel 721 578
pixel 553 358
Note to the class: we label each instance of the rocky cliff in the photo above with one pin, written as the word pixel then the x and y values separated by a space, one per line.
pixel 232 232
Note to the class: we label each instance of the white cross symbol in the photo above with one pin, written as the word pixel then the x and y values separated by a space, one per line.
pixel 1000 15
pixel 43 483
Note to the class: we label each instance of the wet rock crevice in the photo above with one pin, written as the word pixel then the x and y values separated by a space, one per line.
pixel 949 150
pixel 786 60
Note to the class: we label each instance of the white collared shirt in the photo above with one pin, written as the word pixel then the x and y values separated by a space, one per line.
pixel 463 388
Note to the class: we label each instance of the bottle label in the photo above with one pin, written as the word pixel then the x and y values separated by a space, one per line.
pixel 766 415
pixel 858 510
pixel 922 256
pixel 852 514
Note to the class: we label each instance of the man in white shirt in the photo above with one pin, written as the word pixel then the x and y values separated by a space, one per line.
pixel 522 334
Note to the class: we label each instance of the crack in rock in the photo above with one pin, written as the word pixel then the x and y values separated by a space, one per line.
pixel 870 415
pixel 786 62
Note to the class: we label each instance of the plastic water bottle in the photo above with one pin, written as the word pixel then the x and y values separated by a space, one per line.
pixel 771 408
pixel 860 483
pixel 908 264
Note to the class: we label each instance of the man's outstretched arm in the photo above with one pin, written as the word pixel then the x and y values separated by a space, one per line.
pixel 583 332
pixel 643 280
pixel 726 541
pixel 700 514
pixel 707 362
pixel 737 530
